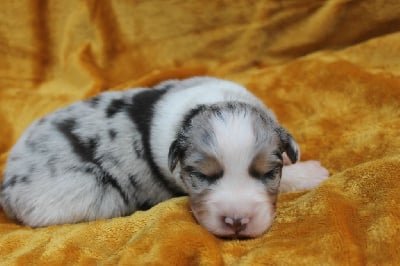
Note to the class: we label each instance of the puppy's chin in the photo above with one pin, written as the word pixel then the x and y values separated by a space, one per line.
pixel 260 219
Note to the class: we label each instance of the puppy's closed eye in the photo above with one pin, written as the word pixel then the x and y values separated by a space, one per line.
pixel 203 167
pixel 271 174
pixel 210 177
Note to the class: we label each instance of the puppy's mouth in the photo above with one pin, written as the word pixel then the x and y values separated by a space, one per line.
pixel 236 237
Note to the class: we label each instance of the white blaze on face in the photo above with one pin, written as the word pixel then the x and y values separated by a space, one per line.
pixel 237 200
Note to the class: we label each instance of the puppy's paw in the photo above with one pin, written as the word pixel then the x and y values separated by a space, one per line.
pixel 303 175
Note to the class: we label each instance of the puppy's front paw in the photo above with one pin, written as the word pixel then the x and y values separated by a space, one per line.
pixel 303 175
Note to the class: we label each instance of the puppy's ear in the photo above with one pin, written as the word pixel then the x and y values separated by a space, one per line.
pixel 289 145
pixel 174 155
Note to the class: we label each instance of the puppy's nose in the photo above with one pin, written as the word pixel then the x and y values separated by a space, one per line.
pixel 236 224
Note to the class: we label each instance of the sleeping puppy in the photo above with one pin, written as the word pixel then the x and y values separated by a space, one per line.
pixel 125 151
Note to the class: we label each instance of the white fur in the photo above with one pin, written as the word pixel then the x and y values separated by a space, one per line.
pixel 302 176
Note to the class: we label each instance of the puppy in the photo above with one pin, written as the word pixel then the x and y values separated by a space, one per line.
pixel 120 152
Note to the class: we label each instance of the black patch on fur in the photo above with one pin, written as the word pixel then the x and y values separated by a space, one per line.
pixel 278 154
pixel 141 112
pixel 15 179
pixel 86 150
pixel 178 146
pixel 112 133
pixel 93 102
pixel 165 86
pixel 175 153
pixel 140 205
pixel 24 179
pixel 144 206
pixel 132 180
pixel 288 144
pixel 232 107
pixel 116 106
pixel 137 147
pixel 187 120
pixel 83 150
pixel 9 183
pixel 91 147
pixel 107 179
pixel 213 109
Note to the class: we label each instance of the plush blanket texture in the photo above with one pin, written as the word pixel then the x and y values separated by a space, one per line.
pixel 330 70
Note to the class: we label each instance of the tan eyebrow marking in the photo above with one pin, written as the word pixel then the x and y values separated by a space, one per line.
pixel 263 163
pixel 209 166
pixel 258 166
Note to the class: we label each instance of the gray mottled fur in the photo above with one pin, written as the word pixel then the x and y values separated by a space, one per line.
pixel 125 151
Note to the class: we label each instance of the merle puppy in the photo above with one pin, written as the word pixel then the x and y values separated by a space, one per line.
pixel 125 151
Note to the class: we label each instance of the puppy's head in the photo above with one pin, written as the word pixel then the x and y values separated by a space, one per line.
pixel 229 156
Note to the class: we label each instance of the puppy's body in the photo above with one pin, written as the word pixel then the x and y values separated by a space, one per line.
pixel 125 151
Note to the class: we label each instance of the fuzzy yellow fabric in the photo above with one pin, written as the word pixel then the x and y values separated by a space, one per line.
pixel 330 70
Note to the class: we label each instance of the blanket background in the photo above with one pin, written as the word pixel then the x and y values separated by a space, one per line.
pixel 329 69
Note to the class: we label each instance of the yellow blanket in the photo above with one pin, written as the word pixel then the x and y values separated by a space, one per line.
pixel 330 70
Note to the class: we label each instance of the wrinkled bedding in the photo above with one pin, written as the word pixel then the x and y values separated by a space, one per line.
pixel 329 69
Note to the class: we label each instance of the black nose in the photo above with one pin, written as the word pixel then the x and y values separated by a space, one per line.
pixel 236 224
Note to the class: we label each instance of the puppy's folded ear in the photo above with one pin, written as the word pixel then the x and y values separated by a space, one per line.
pixel 289 145
pixel 174 155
